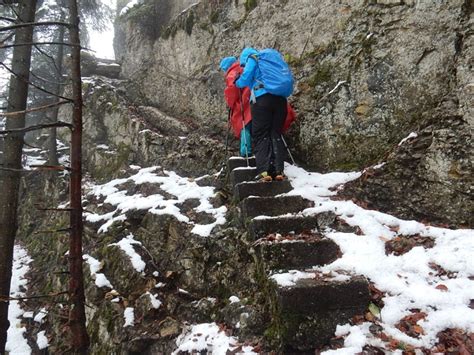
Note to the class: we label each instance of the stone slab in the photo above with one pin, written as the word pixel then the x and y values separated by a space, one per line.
pixel 310 311
pixel 273 206
pixel 239 162
pixel 298 254
pixel 239 175
pixel 260 228
pixel 246 189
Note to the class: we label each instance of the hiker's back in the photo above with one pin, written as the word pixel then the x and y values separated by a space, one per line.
pixel 276 76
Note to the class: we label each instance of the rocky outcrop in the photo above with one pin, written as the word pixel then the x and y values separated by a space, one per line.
pixel 368 73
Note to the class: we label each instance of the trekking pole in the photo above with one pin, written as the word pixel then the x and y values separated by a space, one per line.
pixel 288 150
pixel 224 162
pixel 243 127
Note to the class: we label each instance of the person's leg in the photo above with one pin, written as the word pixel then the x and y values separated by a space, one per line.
pixel 261 127
pixel 279 116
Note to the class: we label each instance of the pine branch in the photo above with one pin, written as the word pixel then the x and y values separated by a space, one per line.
pixel 36 127
pixel 34 109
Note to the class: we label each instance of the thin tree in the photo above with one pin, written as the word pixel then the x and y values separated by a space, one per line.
pixel 13 147
pixel 77 314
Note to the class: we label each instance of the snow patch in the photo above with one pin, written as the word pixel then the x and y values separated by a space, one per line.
pixel 126 244
pixel 16 342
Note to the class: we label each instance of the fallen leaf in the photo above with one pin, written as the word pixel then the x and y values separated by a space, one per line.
pixel 442 287
pixel 374 309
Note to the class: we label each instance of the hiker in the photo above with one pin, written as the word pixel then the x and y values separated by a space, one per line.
pixel 269 108
pixel 238 102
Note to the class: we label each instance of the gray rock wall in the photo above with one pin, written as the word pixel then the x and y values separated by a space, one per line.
pixel 396 58
pixel 368 73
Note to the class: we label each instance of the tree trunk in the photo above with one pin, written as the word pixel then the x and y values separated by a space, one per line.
pixel 51 143
pixel 13 146
pixel 77 315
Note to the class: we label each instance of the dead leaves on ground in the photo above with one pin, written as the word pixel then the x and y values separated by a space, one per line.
pixel 409 324
pixel 403 244
pixel 455 341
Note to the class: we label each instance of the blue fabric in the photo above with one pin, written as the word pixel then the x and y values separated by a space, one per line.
pixel 226 63
pixel 251 73
pixel 275 75
pixel 245 142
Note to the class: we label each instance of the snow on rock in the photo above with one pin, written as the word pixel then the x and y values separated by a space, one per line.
pixel 95 266
pixel 234 299
pixel 16 342
pixel 208 336
pixel 126 244
pixel 410 136
pixel 182 188
pixel 129 317
pixel 42 340
pixel 43 312
pixel 408 280
pixel 129 6
pixel 155 302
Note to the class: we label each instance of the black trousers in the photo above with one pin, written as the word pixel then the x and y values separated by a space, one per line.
pixel 268 115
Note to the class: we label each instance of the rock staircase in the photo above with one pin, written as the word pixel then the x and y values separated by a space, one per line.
pixel 305 314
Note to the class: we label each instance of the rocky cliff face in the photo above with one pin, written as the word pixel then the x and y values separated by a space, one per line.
pixel 368 73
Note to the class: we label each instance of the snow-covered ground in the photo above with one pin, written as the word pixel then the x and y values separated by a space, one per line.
pixel 16 342
pixel 182 188
pixel 433 283
pixel 411 281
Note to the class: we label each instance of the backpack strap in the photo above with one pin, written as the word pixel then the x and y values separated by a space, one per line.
pixel 260 84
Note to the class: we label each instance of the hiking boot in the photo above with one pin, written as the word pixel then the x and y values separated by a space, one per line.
pixel 263 177
pixel 279 177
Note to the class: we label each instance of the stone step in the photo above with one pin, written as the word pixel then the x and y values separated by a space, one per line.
pixel 239 162
pixel 273 206
pixel 259 228
pixel 309 311
pixel 239 175
pixel 246 189
pixel 296 251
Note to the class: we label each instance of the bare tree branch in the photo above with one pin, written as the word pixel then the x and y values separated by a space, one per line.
pixel 53 294
pixel 34 85
pixel 40 108
pixel 51 167
pixel 38 43
pixel 35 128
pixel 48 23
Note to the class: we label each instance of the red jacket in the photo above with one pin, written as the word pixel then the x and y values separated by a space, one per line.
pixel 233 97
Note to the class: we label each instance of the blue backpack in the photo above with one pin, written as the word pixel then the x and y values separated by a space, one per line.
pixel 276 74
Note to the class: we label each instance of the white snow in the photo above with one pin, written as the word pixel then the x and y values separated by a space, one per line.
pixel 41 340
pixel 16 342
pixel 339 83
pixel 410 136
pixel 155 302
pixel 408 280
pixel 95 266
pixel 42 313
pixel 126 244
pixel 181 188
pixel 129 317
pixel 129 6
pixel 234 299
pixel 208 336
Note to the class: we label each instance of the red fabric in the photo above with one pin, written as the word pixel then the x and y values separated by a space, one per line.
pixel 232 98
pixel 290 118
